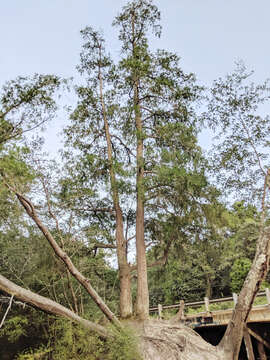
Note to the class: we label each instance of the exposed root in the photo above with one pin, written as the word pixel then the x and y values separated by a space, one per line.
pixel 161 340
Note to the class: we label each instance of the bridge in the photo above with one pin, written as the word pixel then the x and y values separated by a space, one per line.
pixel 211 322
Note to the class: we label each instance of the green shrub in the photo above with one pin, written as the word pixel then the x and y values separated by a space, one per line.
pixel 14 328
pixel 69 341
pixel 238 273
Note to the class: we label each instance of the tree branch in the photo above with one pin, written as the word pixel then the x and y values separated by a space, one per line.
pixel 29 207
pixel 103 246
pixel 7 311
pixel 129 152
pixel 48 305
pixel 161 261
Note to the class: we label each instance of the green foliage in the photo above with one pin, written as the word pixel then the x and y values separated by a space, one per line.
pixel 125 346
pixel 26 103
pixel 201 264
pixel 24 328
pixel 178 281
pixel 14 328
pixel 71 342
pixel 260 300
pixel 197 265
pixel 238 273
pixel 40 353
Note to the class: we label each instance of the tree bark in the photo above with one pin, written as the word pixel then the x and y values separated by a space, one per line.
pixel 48 305
pixel 208 289
pixel 248 343
pixel 232 338
pixel 142 284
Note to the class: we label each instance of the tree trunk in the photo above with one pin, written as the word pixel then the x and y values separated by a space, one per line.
pixel 121 243
pixel 48 305
pixel 232 338
pixel 142 307
pixel 124 273
pixel 142 284
pixel 208 290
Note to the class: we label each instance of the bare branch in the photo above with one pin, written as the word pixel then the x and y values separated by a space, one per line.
pixel 161 261
pixel 252 145
pixel 48 198
pixel 48 305
pixel 103 246
pixel 129 152
pixel 7 311
pixel 29 207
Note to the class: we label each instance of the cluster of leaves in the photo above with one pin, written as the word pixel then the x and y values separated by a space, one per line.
pixel 25 104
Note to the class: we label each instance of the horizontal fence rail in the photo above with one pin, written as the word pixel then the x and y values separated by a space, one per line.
pixel 207 301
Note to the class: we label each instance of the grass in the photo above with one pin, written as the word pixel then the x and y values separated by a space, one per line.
pixel 260 301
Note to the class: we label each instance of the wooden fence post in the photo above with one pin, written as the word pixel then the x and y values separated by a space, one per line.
pixel 159 311
pixel 180 314
pixel 206 303
pixel 235 297
pixel 267 293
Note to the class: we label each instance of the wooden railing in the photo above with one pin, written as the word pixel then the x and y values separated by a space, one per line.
pixel 206 302
pixel 210 318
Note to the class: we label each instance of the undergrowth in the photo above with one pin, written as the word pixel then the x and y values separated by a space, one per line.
pixel 69 341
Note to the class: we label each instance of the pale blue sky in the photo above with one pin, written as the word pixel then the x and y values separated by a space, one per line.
pixel 42 36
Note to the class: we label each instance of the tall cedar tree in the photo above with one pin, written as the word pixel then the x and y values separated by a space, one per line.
pixel 134 127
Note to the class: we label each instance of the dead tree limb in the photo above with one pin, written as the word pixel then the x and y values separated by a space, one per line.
pixel 7 311
pixel 60 253
pixel 48 305
pixel 232 338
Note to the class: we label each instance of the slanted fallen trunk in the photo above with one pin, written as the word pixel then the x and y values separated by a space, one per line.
pixel 232 339
pixel 49 305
